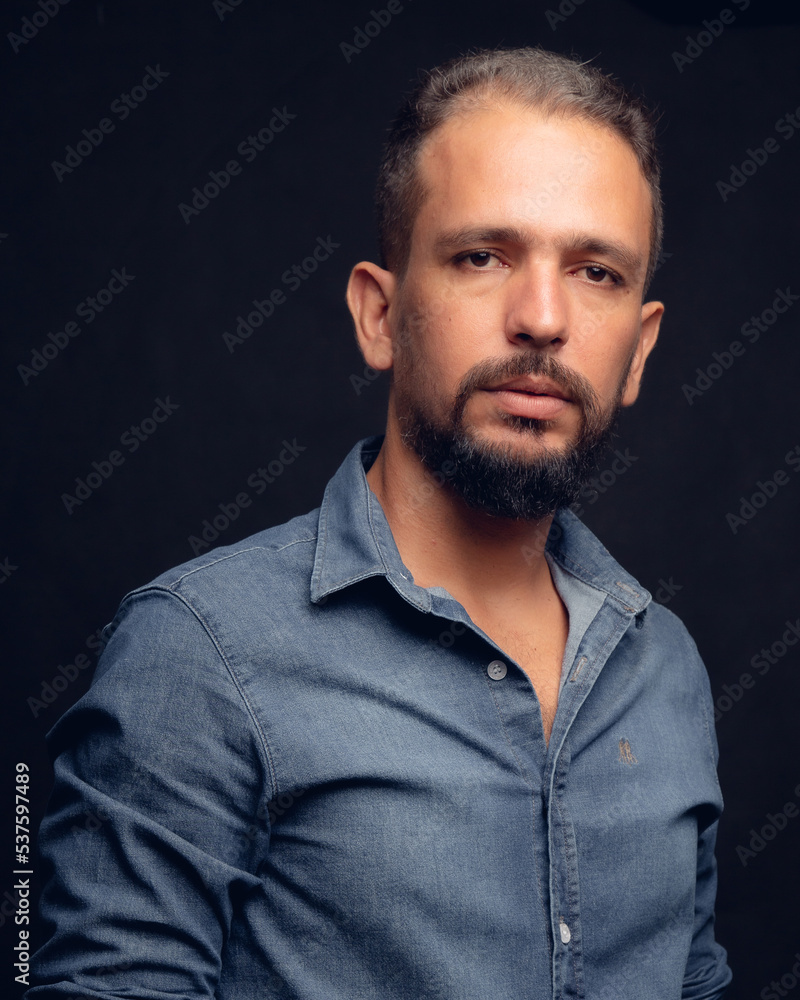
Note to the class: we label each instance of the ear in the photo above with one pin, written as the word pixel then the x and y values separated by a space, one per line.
pixel 370 292
pixel 648 334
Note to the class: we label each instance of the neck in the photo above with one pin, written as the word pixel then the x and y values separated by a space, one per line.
pixel 478 558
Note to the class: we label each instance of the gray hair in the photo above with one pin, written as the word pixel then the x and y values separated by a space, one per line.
pixel 552 83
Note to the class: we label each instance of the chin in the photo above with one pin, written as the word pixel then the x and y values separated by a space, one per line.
pixel 523 436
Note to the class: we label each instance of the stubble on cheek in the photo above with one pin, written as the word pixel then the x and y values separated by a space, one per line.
pixel 418 392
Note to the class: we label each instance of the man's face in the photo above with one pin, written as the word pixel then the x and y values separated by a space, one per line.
pixel 519 328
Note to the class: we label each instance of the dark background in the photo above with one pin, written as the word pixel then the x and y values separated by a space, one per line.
pixel 299 377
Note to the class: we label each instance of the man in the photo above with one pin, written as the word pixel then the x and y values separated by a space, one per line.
pixel 429 740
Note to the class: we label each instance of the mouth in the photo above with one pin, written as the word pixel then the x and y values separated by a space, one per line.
pixel 534 398
pixel 532 387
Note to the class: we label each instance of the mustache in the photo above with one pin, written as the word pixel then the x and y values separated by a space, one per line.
pixel 496 371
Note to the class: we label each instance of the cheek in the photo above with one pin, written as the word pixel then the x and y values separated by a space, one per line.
pixel 468 332
pixel 441 340
pixel 423 308
pixel 604 355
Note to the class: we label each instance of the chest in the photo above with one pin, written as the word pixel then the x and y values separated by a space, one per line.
pixel 536 642
pixel 415 793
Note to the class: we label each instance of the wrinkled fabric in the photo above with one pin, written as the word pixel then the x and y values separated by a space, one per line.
pixel 298 775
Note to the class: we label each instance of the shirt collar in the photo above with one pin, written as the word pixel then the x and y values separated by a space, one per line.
pixel 580 552
pixel 354 542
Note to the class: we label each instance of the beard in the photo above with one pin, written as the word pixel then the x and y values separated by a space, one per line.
pixel 497 479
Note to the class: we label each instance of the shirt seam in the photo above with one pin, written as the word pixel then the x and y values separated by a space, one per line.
pixel 214 562
pixel 321 558
pixel 288 545
pixel 374 534
pixel 572 886
pixel 609 640
pixel 707 725
pixel 505 733
pixel 268 760
pixel 421 604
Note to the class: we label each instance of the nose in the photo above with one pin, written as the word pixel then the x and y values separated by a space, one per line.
pixel 536 307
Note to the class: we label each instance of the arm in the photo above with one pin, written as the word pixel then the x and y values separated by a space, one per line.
pixel 707 974
pixel 159 774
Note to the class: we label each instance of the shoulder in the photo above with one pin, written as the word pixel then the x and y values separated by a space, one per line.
pixel 668 627
pixel 665 638
pixel 206 622
pixel 256 558
pixel 192 635
pixel 671 649
pixel 271 565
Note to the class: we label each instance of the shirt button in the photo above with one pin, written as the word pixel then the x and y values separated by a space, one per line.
pixel 564 931
pixel 497 670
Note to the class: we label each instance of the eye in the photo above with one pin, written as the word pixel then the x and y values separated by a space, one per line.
pixel 483 260
pixel 598 275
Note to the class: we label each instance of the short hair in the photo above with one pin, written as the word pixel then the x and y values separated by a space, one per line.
pixel 554 84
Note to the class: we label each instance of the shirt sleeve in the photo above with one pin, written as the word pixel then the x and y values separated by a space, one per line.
pixel 707 973
pixel 157 820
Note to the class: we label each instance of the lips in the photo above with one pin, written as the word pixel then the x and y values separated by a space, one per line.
pixel 534 398
pixel 532 387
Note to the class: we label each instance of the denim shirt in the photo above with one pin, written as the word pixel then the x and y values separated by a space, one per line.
pixel 299 775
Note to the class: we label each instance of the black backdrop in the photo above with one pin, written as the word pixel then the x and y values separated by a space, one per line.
pixel 143 401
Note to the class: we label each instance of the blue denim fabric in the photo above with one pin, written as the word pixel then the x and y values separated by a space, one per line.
pixel 305 781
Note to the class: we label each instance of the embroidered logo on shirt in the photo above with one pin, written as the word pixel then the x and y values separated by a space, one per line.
pixel 626 754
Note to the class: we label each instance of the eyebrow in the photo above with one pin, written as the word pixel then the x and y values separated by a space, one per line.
pixel 583 242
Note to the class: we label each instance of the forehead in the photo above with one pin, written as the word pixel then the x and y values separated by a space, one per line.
pixel 501 164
